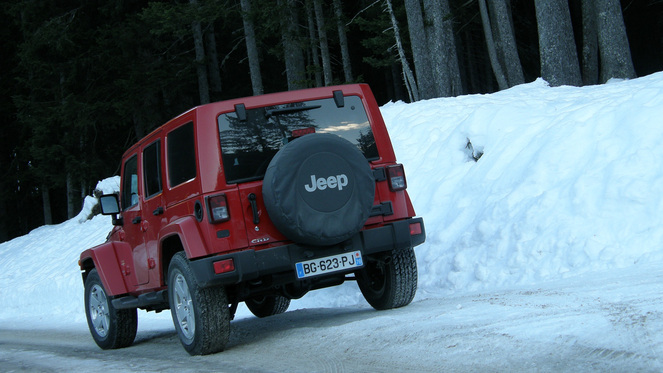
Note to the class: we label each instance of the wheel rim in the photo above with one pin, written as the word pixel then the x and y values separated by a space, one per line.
pixel 184 307
pixel 377 279
pixel 99 316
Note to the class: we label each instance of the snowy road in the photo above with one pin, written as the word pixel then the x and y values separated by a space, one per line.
pixel 611 321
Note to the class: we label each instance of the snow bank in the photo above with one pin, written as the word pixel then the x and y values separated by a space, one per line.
pixel 40 281
pixel 568 183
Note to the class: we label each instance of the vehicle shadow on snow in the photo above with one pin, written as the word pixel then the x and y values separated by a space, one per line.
pixel 251 329
pixel 155 336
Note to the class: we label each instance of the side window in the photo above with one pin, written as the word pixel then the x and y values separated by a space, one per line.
pixel 152 169
pixel 130 183
pixel 181 155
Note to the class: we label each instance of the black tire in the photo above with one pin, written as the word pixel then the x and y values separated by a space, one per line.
pixel 319 190
pixel 110 328
pixel 390 280
pixel 268 305
pixel 201 315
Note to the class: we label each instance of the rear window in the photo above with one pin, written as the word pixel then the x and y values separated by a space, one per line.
pixel 247 146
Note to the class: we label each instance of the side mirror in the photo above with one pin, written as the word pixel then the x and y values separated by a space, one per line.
pixel 109 204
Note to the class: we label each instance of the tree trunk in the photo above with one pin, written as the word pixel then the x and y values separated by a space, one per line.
pixel 442 48
pixel 313 44
pixel 138 126
pixel 421 57
pixel 557 49
pixel 294 59
pixel 251 48
pixel 4 233
pixel 343 42
pixel 590 46
pixel 70 197
pixel 613 43
pixel 408 77
pixel 213 67
pixel 324 46
pixel 468 62
pixel 492 50
pixel 506 42
pixel 201 68
pixel 46 200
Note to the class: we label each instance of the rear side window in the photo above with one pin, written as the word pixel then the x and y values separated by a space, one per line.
pixel 247 146
pixel 130 183
pixel 181 155
pixel 152 169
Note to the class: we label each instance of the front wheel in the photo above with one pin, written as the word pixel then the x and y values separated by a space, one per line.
pixel 201 315
pixel 389 280
pixel 111 328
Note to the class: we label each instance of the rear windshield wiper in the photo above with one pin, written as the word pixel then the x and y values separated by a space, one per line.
pixel 288 110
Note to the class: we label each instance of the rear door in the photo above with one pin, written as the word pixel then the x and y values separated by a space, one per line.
pixel 153 217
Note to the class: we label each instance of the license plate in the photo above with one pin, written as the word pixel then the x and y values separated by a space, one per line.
pixel 329 264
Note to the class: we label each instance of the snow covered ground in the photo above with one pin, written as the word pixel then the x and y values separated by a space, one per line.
pixel 554 237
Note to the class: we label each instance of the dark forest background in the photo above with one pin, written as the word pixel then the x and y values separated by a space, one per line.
pixel 81 80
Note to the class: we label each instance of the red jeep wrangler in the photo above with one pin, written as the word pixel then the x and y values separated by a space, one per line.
pixel 256 200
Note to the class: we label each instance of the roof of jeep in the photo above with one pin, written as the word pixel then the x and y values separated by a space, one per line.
pixel 279 98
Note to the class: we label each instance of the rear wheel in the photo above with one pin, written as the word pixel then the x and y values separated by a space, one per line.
pixel 111 328
pixel 390 280
pixel 268 305
pixel 201 315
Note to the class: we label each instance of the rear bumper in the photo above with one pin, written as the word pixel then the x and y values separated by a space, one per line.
pixel 251 264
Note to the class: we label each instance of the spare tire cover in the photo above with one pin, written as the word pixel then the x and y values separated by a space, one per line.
pixel 319 190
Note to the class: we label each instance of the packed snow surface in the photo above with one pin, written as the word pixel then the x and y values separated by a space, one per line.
pixel 568 183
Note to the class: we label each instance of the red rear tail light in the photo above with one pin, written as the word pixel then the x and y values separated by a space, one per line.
pixel 303 131
pixel 218 209
pixel 396 177
pixel 224 266
pixel 415 229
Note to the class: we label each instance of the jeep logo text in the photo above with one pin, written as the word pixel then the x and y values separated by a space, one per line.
pixel 332 182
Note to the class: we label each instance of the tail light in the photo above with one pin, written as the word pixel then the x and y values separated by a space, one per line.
pixel 224 266
pixel 396 177
pixel 415 229
pixel 303 131
pixel 218 209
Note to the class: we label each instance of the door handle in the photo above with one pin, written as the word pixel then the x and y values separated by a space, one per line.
pixel 158 211
pixel 136 220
